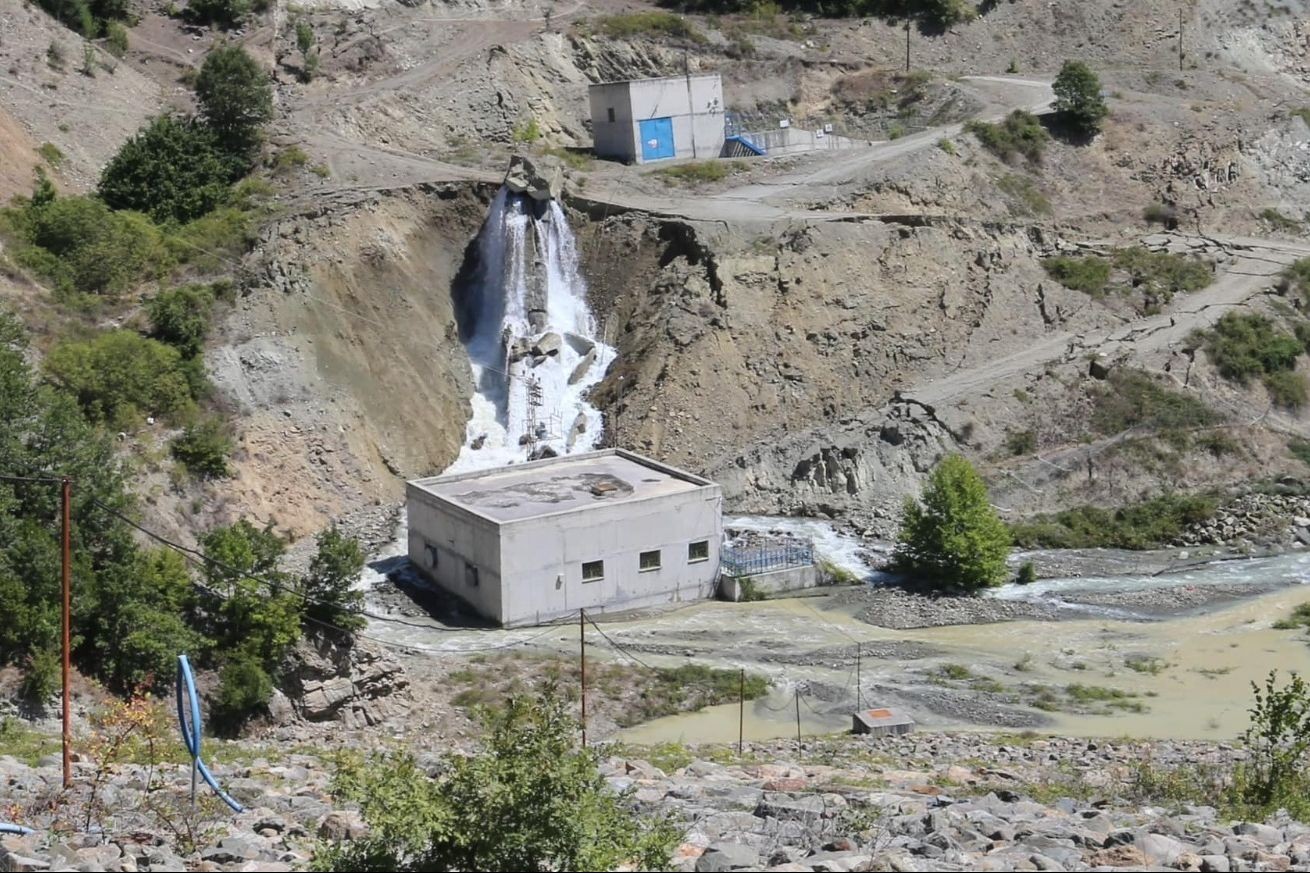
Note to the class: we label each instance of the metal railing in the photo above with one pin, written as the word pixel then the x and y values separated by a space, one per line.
pixel 753 560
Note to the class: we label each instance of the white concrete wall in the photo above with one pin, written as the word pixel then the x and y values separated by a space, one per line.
pixel 458 537
pixel 542 557
pixel 614 139
pixel 657 98
pixel 792 140
pixel 771 583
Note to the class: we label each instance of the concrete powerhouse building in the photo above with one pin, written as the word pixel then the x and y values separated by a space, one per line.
pixel 599 531
pixel 656 119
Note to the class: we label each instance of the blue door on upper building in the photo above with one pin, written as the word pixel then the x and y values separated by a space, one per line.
pixel 657 139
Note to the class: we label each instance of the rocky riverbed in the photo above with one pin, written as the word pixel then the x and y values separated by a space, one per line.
pixel 916 802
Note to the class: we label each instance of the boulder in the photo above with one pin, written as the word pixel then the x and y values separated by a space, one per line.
pixel 727 856
pixel 341 825
pixel 580 370
pixel 525 176
pixel 547 344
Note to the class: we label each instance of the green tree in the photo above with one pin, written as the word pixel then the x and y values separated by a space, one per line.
pixel 530 800
pixel 180 317
pixel 1078 101
pixel 119 377
pixel 235 98
pixel 953 537
pixel 173 169
pixel 329 588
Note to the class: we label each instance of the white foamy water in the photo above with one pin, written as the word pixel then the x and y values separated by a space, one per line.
pixel 843 550
pixel 522 241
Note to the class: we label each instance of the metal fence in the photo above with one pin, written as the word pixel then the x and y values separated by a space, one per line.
pixel 753 560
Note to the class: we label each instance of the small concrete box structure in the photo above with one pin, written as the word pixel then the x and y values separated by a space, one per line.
pixel 881 722
pixel 599 531
pixel 657 119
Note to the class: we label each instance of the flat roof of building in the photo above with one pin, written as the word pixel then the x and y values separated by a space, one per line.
pixel 563 484
pixel 655 79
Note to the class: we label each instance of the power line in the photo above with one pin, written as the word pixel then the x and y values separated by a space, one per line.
pixel 31 478
pixel 200 558
pixel 620 649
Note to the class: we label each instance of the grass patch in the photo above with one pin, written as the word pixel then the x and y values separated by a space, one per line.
pixel 1300 449
pixel 1147 664
pixel 1296 279
pixel 699 172
pixel 1134 399
pixel 1161 275
pixel 1279 221
pixel 654 24
pixel 1026 199
pixel 1300 618
pixel 51 154
pixel 21 742
pixel 1146 525
pixel 954 672
pixel 1112 698
pixel 946 145
pixel 690 688
pixel 1088 274
pixel 1019 135
pixel 1161 213
pixel 1022 442
pixel 576 160
pixel 831 574
pixel 290 158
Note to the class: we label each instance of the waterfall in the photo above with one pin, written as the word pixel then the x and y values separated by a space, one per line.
pixel 531 338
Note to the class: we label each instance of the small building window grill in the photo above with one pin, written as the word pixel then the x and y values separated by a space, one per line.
pixel 593 571
pixel 698 551
pixel 649 560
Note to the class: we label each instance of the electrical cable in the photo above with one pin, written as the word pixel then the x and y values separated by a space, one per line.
pixel 621 650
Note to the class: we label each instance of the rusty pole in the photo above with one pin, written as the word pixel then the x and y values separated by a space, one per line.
pixel 67 573
pixel 582 666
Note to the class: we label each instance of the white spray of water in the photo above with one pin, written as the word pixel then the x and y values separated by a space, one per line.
pixel 522 241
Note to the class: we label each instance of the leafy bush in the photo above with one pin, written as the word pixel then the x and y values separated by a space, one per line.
pixel 1243 347
pixel 1286 389
pixel 80 246
pixel 214 242
pixel 116 39
pixel 528 132
pixel 235 98
pixel 1019 134
pixel 1147 525
pixel 1027 574
pixel 1161 213
pixel 180 317
pixel 1134 399
pixel 225 12
pixel 529 800
pixel 173 169
pixel 1086 274
pixel 329 589
pixel 1296 278
pixel 1279 742
pixel 51 154
pixel 952 537
pixel 244 688
pixel 203 448
pixel 1161 275
pixel 1279 221
pixel 119 377
pixel 1021 442
pixel 1078 101
pixel 289 158
pixel 86 16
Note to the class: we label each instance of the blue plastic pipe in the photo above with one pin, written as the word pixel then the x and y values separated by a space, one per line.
pixel 187 699
pixel 14 829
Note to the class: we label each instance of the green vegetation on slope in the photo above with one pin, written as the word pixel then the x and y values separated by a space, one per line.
pixel 1147 525
pixel 1246 347
pixel 1155 277
pixel 1020 134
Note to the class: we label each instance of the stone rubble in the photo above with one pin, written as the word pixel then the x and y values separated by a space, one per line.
pixel 916 802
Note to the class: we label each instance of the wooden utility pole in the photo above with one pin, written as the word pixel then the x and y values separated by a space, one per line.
pixel 582 666
pixel 859 694
pixel 798 719
pixel 907 45
pixel 1180 40
pixel 741 713
pixel 67 583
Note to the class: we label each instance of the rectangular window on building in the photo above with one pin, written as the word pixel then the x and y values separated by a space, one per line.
pixel 470 575
pixel 593 571
pixel 611 113
pixel 698 551
pixel 649 561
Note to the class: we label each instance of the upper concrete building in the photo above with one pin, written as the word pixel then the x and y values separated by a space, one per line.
pixel 599 531
pixel 656 119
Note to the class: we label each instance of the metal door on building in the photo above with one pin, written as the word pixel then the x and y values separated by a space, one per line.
pixel 657 139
